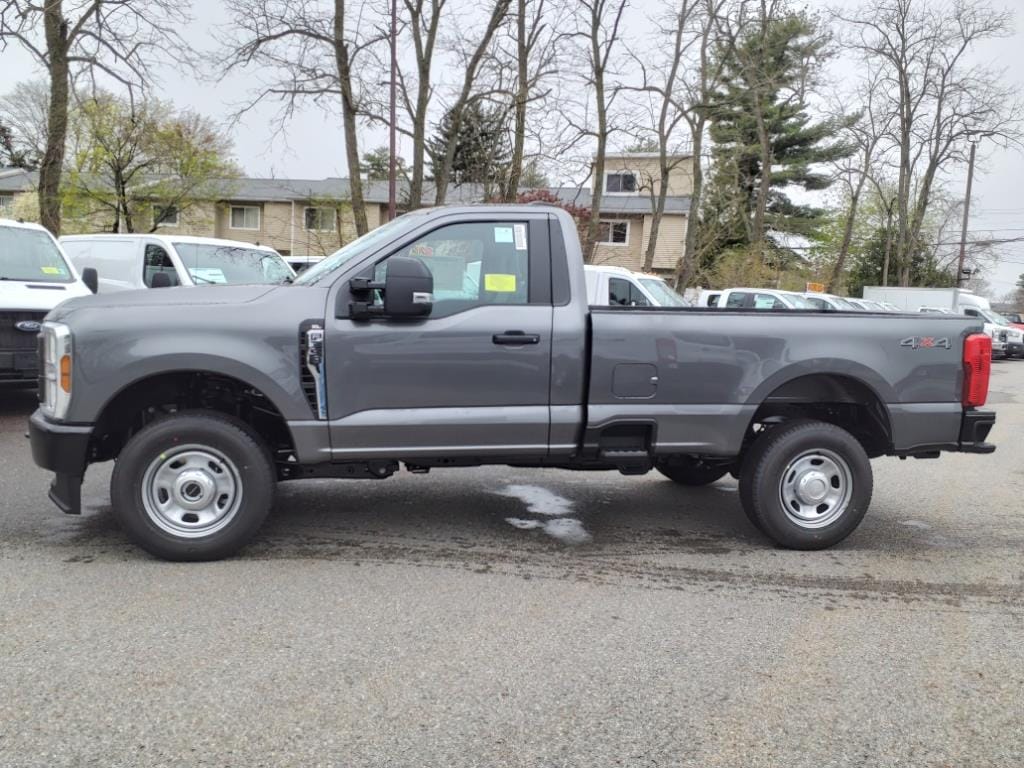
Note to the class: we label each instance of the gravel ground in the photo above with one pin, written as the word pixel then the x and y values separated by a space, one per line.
pixel 512 617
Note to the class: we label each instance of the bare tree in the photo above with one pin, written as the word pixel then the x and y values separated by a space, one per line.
pixel 666 112
pixel 699 88
pixel 536 48
pixel 312 48
pixel 25 110
pixel 597 29
pixel 940 100
pixel 423 23
pixel 868 134
pixel 472 59
pixel 118 39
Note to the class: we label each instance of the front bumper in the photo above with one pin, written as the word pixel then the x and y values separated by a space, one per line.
pixel 64 450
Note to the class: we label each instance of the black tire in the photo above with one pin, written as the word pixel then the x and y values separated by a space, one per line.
pixel 688 470
pixel 237 483
pixel 783 458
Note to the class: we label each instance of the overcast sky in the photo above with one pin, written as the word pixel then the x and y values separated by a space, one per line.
pixel 311 146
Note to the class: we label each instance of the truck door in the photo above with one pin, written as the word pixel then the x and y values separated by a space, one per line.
pixel 472 379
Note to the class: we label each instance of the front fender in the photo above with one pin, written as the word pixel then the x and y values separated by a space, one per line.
pixel 107 367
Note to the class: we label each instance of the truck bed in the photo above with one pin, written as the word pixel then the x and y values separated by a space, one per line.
pixel 698 376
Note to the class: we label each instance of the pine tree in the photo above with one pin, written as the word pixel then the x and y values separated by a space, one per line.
pixel 765 140
pixel 482 147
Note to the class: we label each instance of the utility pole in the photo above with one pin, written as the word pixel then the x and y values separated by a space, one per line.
pixel 967 215
pixel 392 163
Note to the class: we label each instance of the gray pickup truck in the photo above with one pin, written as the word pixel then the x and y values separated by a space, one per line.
pixel 458 337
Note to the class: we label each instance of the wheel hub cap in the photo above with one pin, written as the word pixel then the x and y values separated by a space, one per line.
pixel 191 491
pixel 816 488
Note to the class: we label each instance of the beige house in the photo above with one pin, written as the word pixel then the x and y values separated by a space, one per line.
pixel 313 217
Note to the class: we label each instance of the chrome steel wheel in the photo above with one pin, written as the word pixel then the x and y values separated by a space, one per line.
pixel 191 491
pixel 816 488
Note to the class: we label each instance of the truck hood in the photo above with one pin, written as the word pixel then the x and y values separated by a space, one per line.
pixel 185 296
pixel 39 297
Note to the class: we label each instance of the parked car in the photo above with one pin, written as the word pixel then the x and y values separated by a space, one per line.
pixel 35 276
pixel 359 366
pixel 131 262
pixel 866 305
pixel 829 302
pixel 1012 337
pixel 998 335
pixel 709 298
pixel 1015 319
pixel 762 298
pixel 618 286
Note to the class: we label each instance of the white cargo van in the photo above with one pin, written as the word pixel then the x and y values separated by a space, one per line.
pixel 618 286
pixel 130 262
pixel 35 276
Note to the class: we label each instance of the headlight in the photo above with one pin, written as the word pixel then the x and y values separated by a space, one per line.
pixel 56 366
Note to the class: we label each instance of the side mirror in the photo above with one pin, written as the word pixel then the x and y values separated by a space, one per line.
pixel 91 279
pixel 160 280
pixel 408 288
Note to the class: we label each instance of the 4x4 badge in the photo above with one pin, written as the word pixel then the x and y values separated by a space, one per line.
pixel 925 342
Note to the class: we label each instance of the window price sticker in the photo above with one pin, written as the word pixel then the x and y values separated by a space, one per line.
pixel 520 235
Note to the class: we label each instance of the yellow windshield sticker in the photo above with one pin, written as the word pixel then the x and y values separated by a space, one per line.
pixel 500 283
pixel 52 270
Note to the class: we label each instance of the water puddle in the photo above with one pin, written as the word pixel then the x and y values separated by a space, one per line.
pixel 555 509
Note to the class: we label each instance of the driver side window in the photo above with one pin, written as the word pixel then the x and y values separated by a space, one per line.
pixel 473 264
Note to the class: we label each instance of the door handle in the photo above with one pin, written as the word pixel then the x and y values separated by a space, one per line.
pixel 515 338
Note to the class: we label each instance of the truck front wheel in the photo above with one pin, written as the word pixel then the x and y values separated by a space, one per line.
pixel 806 484
pixel 193 486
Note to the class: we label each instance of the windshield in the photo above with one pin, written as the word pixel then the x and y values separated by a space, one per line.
pixel 797 301
pixel 210 264
pixel 357 247
pixel 30 255
pixel 994 317
pixel 662 294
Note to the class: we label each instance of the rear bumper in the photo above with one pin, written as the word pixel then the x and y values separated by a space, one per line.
pixel 974 431
pixel 64 450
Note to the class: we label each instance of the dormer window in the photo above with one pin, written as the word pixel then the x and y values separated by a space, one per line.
pixel 620 182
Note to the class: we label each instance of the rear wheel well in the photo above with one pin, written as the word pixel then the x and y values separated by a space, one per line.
pixel 157 396
pixel 841 400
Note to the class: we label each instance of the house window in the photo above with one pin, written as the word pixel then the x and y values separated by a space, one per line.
pixel 6 204
pixel 245 217
pixel 320 219
pixel 165 215
pixel 613 233
pixel 622 182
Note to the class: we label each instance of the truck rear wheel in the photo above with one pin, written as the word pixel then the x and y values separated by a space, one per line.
pixel 806 484
pixel 689 470
pixel 193 486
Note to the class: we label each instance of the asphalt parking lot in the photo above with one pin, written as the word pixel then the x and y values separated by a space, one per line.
pixel 511 617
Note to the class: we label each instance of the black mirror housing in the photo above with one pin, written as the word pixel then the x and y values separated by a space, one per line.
pixel 408 288
pixel 160 280
pixel 91 279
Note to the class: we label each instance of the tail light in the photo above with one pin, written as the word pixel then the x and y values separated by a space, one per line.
pixel 977 369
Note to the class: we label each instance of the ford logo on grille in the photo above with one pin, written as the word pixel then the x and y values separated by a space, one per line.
pixel 29 326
